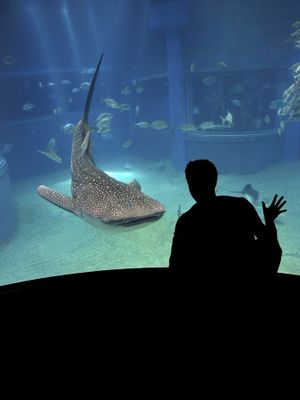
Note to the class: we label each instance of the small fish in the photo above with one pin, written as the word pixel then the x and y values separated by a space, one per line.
pixel 267 119
pixel 52 155
pixel 249 191
pixel 111 103
pixel 282 125
pixel 9 60
pixel 104 118
pixel 68 128
pixel 227 120
pixel 50 84
pixel 66 82
pixel 40 84
pixel 124 107
pixel 192 67
pixel 136 110
pixel 85 85
pixel 209 125
pixel 6 148
pixel 128 167
pixel 236 102
pixel 127 144
pixel 56 110
pixel 103 129
pixel 296 24
pixel 209 80
pixel 75 90
pixel 188 127
pixel 222 64
pixel 126 90
pixel 139 89
pixel 159 124
pixel 142 124
pixel 107 136
pixel 28 106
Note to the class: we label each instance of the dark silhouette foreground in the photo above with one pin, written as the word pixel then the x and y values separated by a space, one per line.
pixel 223 236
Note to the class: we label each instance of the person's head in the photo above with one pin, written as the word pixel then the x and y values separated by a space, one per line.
pixel 201 176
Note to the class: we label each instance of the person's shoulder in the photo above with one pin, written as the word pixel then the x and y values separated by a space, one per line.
pixel 230 198
pixel 235 202
pixel 187 214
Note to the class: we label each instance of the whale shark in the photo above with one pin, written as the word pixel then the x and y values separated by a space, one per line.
pixel 96 196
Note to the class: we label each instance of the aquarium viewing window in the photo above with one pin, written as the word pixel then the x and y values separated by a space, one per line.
pixel 247 94
pixel 179 80
pixel 234 117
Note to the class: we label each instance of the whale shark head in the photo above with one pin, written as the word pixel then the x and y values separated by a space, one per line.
pixel 121 204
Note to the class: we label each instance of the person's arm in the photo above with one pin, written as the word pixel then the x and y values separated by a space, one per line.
pixel 177 250
pixel 271 213
pixel 271 251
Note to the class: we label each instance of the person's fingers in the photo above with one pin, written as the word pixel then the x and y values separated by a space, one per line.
pixel 280 200
pixel 281 205
pixel 282 211
pixel 274 199
pixel 275 207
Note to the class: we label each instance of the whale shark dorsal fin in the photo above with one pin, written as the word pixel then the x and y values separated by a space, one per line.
pixel 91 92
pixel 136 184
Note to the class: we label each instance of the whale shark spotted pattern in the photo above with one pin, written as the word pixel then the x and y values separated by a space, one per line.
pixel 94 193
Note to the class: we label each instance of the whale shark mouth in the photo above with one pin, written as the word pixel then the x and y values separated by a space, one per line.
pixel 137 221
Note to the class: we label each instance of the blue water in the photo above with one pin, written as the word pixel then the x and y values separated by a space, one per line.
pixel 179 63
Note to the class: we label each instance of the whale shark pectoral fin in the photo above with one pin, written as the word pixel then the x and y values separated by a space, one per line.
pixel 60 200
pixel 136 184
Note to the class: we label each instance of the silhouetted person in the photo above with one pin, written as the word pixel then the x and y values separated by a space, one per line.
pixel 223 236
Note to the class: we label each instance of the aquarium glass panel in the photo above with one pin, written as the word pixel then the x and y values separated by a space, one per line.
pixel 104 102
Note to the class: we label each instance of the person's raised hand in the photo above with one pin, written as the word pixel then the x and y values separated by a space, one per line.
pixel 274 209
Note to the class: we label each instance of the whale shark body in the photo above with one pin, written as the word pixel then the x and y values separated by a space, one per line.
pixel 95 195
